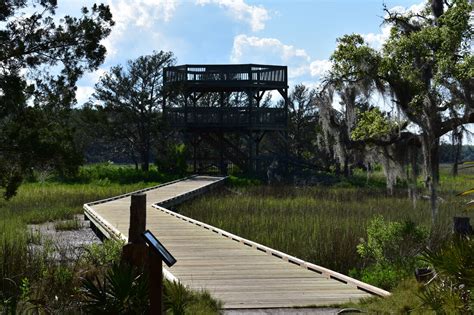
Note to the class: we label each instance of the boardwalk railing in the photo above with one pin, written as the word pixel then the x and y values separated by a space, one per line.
pixel 137 191
pixel 291 259
pixel 191 194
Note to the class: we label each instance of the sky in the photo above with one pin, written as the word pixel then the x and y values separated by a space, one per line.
pixel 298 33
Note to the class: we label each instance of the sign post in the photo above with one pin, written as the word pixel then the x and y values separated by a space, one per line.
pixel 157 253
pixel 145 250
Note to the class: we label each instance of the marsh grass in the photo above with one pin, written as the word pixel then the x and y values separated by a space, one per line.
pixel 105 173
pixel 51 283
pixel 68 225
pixel 322 225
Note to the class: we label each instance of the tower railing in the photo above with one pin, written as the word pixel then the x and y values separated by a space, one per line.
pixel 208 117
pixel 250 74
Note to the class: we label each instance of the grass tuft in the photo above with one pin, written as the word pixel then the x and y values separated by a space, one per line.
pixel 68 225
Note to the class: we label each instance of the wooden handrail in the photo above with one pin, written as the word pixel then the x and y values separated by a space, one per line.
pixel 216 73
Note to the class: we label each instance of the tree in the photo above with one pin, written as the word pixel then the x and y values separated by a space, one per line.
pixel 302 116
pixel 51 55
pixel 429 67
pixel 426 67
pixel 132 99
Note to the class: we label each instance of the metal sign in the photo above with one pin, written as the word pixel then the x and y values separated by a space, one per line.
pixel 155 244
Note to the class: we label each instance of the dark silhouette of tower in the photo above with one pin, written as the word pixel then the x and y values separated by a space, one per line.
pixel 218 130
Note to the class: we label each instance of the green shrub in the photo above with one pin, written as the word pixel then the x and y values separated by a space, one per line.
pixel 104 254
pixel 393 242
pixel 391 251
pixel 103 174
pixel 236 181
pixel 385 276
pixel 180 300
pixel 177 297
pixel 123 290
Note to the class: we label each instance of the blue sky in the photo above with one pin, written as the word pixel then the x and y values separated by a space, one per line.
pixel 300 33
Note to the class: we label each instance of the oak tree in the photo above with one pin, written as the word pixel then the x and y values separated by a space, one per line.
pixel 426 69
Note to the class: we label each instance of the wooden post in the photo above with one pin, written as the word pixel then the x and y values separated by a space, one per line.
pixel 135 251
pixel 155 283
pixel 138 254
pixel 137 218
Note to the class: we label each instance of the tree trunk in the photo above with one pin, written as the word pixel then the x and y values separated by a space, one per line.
pixel 145 160
pixel 412 176
pixel 368 170
pixel 457 146
pixel 134 159
pixel 337 169
pixel 431 157
pixel 347 171
pixel 145 166
pixel 456 161
pixel 437 6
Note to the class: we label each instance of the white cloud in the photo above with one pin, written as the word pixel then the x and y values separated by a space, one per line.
pixel 415 8
pixel 255 16
pixel 140 13
pixel 252 49
pixel 94 77
pixel 376 40
pixel 320 67
pixel 83 93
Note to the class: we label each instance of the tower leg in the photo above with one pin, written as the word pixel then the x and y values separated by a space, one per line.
pixel 222 164
pixel 194 154
pixel 252 153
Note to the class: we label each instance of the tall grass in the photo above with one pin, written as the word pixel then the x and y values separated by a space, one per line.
pixel 35 281
pixel 322 225
pixel 122 174
pixel 37 203
pixel 41 202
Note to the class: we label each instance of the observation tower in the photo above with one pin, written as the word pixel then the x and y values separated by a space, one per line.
pixel 220 111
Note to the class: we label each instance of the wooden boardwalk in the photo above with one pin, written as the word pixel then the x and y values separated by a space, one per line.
pixel 241 273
